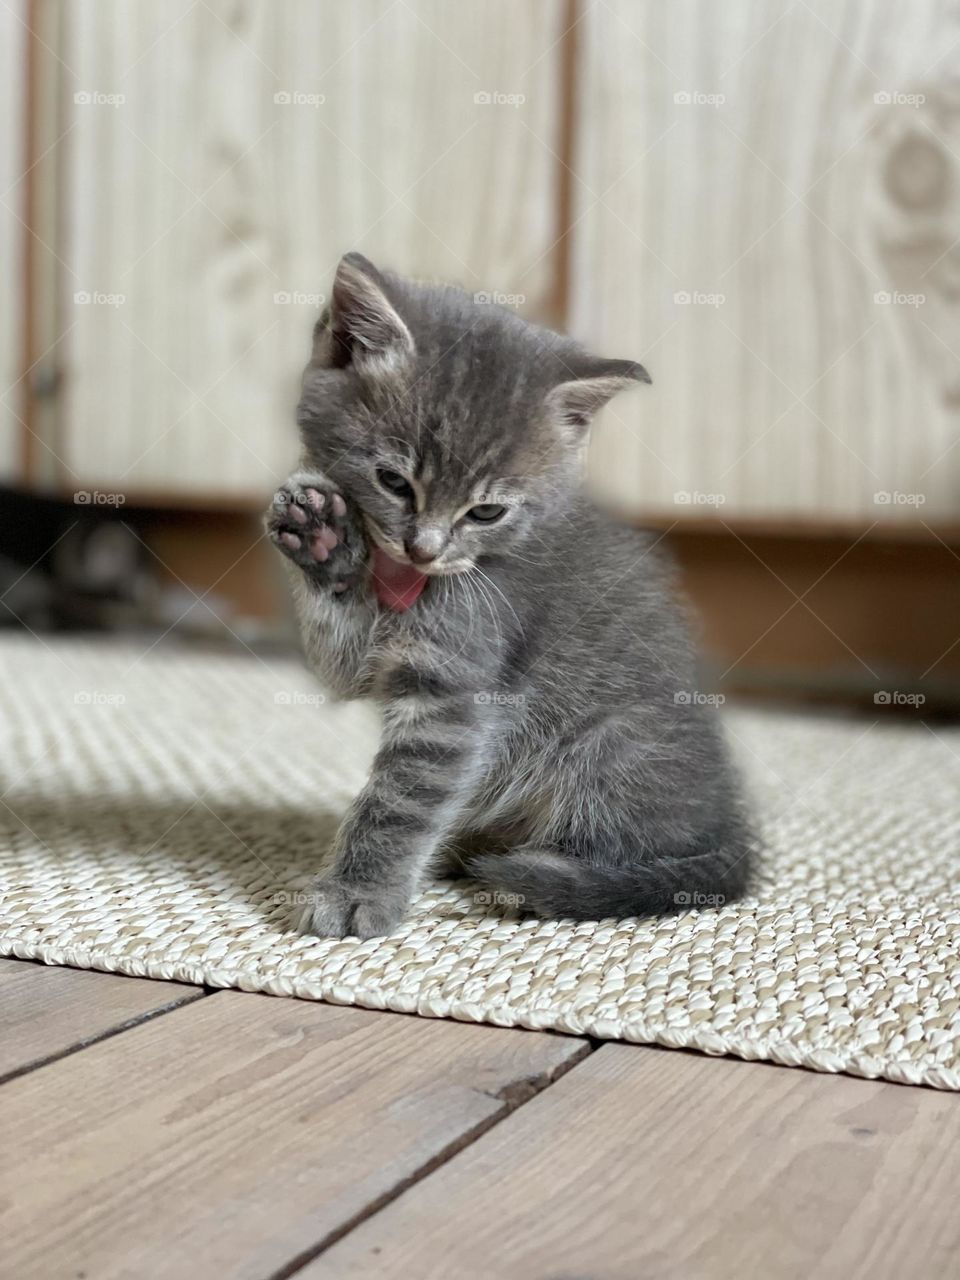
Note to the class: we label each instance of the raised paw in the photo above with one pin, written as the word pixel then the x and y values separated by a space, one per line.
pixel 313 525
pixel 335 909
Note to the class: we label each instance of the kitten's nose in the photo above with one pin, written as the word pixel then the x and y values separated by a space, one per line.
pixel 419 553
pixel 427 542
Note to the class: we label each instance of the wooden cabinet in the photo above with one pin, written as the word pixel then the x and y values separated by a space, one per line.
pixel 213 163
pixel 761 202
pixel 767 213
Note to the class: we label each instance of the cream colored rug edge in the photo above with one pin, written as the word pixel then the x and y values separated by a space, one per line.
pixel 156 820
pixel 779 1051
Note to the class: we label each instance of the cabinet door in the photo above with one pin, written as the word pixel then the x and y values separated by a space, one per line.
pixel 221 156
pixel 767 208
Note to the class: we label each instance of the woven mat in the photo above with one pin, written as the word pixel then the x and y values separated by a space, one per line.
pixel 158 812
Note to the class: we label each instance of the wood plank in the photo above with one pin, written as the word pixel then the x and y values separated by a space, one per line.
pixel 234 1135
pixel 660 1164
pixel 46 1011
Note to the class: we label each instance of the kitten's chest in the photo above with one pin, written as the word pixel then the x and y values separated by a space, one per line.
pixel 432 639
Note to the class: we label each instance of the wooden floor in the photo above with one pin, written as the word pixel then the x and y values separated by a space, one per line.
pixel 155 1130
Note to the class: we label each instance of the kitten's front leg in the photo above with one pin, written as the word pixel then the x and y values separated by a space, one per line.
pixel 421 778
pixel 323 540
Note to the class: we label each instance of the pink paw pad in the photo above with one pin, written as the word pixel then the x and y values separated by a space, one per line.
pixel 307 525
pixel 323 542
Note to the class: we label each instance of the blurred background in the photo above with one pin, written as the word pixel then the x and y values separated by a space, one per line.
pixel 760 202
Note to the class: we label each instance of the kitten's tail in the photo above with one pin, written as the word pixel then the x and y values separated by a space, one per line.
pixel 553 886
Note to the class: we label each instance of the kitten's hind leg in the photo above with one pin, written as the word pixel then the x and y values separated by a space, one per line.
pixel 643 819
pixel 453 859
pixel 551 884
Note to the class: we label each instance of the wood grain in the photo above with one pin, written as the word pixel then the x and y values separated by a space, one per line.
pixel 758 198
pixel 232 1136
pixel 661 1164
pixel 13 90
pixel 46 1011
pixel 254 145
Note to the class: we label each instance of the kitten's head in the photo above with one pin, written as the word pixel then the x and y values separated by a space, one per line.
pixel 455 426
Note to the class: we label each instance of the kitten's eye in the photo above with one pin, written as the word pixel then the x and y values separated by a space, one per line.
pixel 394 482
pixel 487 512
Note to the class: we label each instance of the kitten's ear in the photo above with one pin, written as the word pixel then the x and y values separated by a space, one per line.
pixel 361 327
pixel 574 403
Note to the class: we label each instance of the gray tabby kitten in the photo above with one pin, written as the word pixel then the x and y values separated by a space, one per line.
pixel 535 676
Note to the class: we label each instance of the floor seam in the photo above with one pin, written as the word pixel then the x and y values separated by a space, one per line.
pixel 512 1097
pixel 79 1045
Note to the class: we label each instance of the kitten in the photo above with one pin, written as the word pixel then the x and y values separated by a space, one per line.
pixel 540 731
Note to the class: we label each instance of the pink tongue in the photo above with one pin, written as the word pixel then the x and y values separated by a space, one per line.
pixel 397 585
